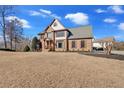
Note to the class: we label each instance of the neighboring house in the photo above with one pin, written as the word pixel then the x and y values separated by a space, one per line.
pixel 58 38
pixel 103 42
pixel 118 45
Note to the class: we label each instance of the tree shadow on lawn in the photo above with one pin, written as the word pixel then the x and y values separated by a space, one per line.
pixel 112 56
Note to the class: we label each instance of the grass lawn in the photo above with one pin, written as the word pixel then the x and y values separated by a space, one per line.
pixel 56 69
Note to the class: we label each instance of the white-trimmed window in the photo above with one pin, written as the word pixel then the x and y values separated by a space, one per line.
pixel 49 34
pixel 73 44
pixel 60 43
pixel 60 34
pixel 82 43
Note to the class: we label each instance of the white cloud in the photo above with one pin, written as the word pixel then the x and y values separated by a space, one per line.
pixel 34 13
pixel 116 9
pixel 44 13
pixel 121 26
pixel 110 20
pixel 100 11
pixel 78 18
pixel 24 22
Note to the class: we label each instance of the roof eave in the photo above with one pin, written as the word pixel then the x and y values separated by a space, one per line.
pixel 81 38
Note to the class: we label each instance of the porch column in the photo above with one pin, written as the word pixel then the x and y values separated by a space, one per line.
pixel 53 41
pixel 66 41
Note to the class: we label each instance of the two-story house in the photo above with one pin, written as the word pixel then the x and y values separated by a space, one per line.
pixel 58 38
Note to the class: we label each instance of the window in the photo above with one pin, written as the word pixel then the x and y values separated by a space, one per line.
pixel 82 43
pixel 73 44
pixel 60 44
pixel 55 24
pixel 42 36
pixel 49 34
pixel 60 34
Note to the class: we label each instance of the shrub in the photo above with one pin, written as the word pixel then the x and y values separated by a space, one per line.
pixel 27 48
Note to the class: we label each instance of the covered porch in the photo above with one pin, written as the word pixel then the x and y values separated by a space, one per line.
pixel 49 44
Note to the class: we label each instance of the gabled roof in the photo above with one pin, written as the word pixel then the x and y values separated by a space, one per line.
pixel 46 27
pixel 106 39
pixel 50 26
pixel 81 32
pixel 78 32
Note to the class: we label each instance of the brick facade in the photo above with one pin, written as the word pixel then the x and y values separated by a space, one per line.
pixel 87 45
pixel 51 42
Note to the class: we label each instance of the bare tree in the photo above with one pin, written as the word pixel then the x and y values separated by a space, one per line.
pixel 5 11
pixel 10 32
pixel 14 31
pixel 18 33
pixel 108 48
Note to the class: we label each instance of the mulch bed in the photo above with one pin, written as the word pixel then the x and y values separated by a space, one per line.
pixel 6 49
pixel 112 56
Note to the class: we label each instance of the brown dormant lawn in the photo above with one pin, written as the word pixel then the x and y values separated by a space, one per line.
pixel 38 69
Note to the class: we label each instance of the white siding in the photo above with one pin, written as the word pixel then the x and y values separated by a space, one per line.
pixel 98 45
pixel 58 26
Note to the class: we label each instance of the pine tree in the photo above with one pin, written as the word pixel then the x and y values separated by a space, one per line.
pixel 34 44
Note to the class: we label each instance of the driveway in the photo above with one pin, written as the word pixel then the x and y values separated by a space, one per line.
pixel 118 52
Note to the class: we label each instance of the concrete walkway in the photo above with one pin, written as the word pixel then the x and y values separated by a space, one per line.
pixel 118 52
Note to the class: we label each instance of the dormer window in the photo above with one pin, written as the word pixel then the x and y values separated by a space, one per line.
pixel 55 24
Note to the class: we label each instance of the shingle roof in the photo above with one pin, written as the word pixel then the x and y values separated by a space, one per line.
pixel 81 32
pixel 106 39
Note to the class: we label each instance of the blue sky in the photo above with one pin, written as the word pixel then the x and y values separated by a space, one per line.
pixel 105 20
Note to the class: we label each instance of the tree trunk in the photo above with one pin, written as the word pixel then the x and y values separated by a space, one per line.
pixel 4 30
pixel 15 46
pixel 11 43
pixel 15 43
pixel 4 38
pixel 11 38
pixel 109 48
